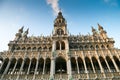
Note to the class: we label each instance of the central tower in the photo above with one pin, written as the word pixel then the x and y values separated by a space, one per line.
pixel 60 47
pixel 60 35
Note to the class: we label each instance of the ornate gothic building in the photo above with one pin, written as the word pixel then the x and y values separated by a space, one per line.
pixel 61 56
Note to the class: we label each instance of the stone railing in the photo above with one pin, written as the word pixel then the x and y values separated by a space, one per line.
pixel 91 76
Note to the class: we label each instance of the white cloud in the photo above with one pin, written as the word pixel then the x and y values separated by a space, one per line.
pixel 111 2
pixel 54 4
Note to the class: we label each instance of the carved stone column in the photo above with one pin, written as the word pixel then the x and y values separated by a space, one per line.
pixel 29 67
pixel 6 69
pixel 14 67
pixel 69 72
pixel 108 65
pixel 52 69
pixel 77 65
pixel 92 65
pixel 44 67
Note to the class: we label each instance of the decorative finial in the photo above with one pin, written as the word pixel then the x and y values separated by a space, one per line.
pixel 99 26
pixel 93 29
pixel 21 29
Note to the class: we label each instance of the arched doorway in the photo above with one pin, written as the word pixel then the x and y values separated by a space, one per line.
pixel 62 65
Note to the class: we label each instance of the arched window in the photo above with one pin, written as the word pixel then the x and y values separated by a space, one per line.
pixel 23 48
pixel 81 47
pixel 39 49
pixel 91 47
pixel 62 45
pixel 60 32
pixel 97 47
pixel 102 47
pixel 57 45
pixel 34 48
pixel 29 48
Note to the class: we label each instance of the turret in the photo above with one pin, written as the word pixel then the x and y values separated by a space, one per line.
pixel 25 34
pixel 94 31
pixel 103 33
pixel 19 34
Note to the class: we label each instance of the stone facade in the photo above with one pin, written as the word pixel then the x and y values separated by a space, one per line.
pixel 61 56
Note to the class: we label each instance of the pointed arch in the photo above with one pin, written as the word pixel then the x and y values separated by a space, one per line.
pixel 89 65
pixel 91 47
pixel 1 61
pixel 26 65
pixel 112 67
pixel 39 49
pixel 23 48
pixel 81 65
pixel 97 47
pixel 19 63
pixel 50 48
pixel 33 65
pixel 102 47
pixel 47 65
pixel 96 65
pixel 62 68
pixel 63 45
pixel 73 65
pixel 34 48
pixel 29 48
pixel 86 47
pixel 103 64
pixel 57 45
pixel 117 61
pixel 40 66
pixel 81 47
pixel 4 65
pixel 13 61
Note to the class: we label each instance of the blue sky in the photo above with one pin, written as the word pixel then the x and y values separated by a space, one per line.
pixel 39 15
